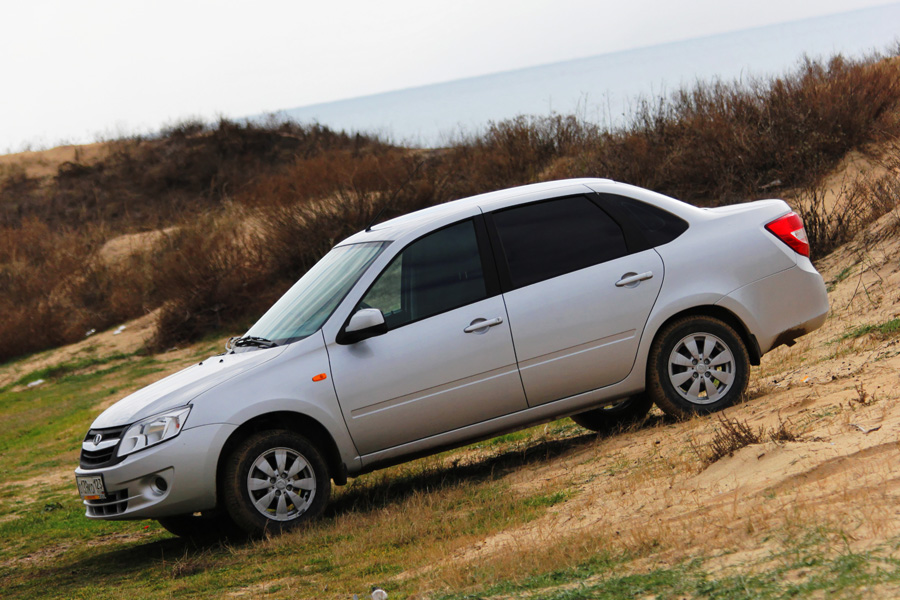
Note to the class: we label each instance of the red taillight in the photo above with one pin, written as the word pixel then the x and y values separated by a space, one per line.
pixel 789 229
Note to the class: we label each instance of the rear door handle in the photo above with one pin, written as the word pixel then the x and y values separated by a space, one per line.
pixel 632 279
pixel 481 325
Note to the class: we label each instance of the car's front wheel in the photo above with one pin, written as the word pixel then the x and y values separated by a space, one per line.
pixel 697 365
pixel 624 413
pixel 275 480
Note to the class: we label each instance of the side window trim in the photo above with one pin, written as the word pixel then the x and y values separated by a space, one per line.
pixel 489 263
pixel 502 266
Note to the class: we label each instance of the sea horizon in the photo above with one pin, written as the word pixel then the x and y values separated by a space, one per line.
pixel 601 88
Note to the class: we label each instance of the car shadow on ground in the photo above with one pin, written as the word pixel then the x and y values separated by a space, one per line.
pixel 384 491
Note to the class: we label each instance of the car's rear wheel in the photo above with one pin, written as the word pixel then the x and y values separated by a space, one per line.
pixel 274 481
pixel 697 365
pixel 623 413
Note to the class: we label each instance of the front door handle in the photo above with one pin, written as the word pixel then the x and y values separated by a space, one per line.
pixel 632 279
pixel 481 325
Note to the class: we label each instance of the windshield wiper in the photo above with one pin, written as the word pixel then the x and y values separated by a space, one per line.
pixel 249 340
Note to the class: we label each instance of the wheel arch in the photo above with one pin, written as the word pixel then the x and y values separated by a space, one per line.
pixel 723 314
pixel 297 422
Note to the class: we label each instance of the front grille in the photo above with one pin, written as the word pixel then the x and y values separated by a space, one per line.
pixel 115 503
pixel 105 454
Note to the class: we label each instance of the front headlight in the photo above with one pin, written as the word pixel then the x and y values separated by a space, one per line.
pixel 153 430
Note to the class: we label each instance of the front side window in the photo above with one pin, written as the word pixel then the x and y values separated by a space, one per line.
pixel 547 239
pixel 308 304
pixel 434 274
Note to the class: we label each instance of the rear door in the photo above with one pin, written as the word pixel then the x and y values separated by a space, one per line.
pixel 576 297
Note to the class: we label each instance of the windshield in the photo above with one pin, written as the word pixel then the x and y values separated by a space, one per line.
pixel 310 301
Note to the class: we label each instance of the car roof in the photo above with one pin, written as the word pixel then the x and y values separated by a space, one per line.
pixel 398 227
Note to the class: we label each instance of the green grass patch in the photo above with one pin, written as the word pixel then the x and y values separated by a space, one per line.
pixel 63 369
pixel 844 274
pixel 884 330
pixel 548 500
pixel 44 425
pixel 795 573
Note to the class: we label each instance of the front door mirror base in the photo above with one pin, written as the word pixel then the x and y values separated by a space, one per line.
pixel 365 323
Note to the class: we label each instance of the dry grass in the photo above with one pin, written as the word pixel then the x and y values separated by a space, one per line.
pixel 731 435
pixel 833 215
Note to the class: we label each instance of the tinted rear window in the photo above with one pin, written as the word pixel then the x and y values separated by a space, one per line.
pixel 659 227
pixel 548 239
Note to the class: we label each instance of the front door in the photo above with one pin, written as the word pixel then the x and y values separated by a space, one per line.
pixel 447 360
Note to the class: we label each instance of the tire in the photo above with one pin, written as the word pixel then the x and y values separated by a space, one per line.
pixel 623 413
pixel 697 365
pixel 274 481
pixel 203 528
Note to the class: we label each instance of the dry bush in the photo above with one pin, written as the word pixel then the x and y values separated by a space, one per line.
pixel 304 188
pixel 18 192
pixel 55 288
pixel 726 142
pixel 784 432
pixel 731 435
pixel 519 150
pixel 187 168
pixel 716 142
pixel 830 223
pixel 206 275
pixel 301 215
pixel 884 191
pixel 224 269
pixel 856 204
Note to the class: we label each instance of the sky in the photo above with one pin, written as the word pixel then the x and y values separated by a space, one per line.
pixel 75 72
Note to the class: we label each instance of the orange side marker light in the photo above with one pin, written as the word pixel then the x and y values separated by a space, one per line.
pixel 320 377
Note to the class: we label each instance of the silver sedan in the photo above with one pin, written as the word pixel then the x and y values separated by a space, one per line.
pixel 585 298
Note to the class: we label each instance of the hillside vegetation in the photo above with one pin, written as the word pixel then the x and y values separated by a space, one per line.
pixel 792 493
pixel 240 211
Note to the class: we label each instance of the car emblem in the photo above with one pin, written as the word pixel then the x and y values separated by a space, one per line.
pixel 98 438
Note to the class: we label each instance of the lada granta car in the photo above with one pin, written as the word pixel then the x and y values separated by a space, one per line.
pixel 585 298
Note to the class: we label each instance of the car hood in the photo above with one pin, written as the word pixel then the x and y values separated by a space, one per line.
pixel 182 387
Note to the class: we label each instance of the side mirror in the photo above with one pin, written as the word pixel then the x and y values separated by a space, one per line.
pixel 365 323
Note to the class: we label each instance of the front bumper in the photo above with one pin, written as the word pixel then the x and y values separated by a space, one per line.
pixel 187 465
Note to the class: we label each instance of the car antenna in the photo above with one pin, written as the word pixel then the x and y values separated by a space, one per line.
pixel 375 220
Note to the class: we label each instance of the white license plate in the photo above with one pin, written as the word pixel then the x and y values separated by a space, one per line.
pixel 91 487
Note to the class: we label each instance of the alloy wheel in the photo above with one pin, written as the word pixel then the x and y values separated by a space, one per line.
pixel 281 483
pixel 701 368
